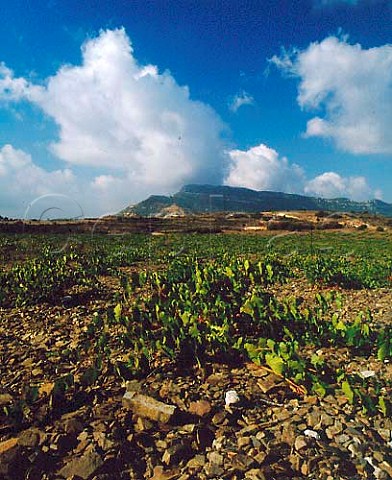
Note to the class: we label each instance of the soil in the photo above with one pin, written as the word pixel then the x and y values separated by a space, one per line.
pixel 272 432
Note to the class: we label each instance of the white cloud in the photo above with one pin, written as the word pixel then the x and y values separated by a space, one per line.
pixel 11 88
pixel 126 130
pixel 21 181
pixel 261 168
pixel 136 124
pixel 351 89
pixel 242 98
pixel 332 185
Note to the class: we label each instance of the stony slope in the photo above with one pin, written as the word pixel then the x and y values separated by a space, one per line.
pixel 90 435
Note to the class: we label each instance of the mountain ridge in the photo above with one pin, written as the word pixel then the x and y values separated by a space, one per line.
pixel 194 198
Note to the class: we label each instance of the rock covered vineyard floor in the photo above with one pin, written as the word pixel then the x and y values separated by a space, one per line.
pixel 88 433
pixel 62 413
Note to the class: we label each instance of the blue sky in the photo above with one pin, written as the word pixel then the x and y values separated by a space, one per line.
pixel 103 103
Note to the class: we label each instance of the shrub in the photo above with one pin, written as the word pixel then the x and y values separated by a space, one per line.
pixel 290 225
pixel 321 214
pixel 329 225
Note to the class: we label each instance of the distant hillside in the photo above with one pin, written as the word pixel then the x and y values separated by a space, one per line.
pixel 210 198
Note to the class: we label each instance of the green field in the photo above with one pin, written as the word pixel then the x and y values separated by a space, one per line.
pixel 206 295
pixel 37 267
pixel 304 308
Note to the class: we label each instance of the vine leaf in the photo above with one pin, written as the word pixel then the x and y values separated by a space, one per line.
pixel 348 391
pixel 275 363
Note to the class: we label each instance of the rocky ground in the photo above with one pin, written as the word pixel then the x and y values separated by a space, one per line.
pixel 57 423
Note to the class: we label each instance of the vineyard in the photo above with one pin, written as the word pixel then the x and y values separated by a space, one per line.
pixel 299 325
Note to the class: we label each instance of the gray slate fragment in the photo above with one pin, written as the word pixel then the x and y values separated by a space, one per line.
pixel 83 466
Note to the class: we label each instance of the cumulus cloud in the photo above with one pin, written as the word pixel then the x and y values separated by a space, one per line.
pixel 11 88
pixel 20 176
pixel 349 87
pixel 136 123
pixel 127 130
pixel 242 98
pixel 333 185
pixel 261 168
pixel 62 193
